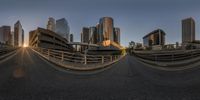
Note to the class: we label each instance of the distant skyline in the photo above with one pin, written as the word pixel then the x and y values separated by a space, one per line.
pixel 135 18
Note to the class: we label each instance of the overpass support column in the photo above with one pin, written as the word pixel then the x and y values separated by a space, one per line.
pixel 85 59
pixel 76 48
pixel 48 54
pixel 102 61
pixel 111 58
pixel 62 56
pixel 173 57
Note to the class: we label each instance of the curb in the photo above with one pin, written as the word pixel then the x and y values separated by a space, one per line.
pixel 7 54
pixel 166 68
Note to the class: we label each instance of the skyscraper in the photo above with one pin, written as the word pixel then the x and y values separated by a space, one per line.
pixel 106 28
pixel 93 35
pixel 62 28
pixel 51 24
pixel 104 33
pixel 12 38
pixel 188 30
pixel 117 35
pixel 5 35
pixel 1 35
pixel 71 38
pixel 99 36
pixel 85 35
pixel 18 31
pixel 22 37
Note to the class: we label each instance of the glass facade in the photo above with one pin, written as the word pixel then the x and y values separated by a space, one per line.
pixel 93 35
pixel 18 31
pixel 62 28
pixel 106 28
pixel 85 35
pixel 103 31
pixel 51 24
pixel 117 35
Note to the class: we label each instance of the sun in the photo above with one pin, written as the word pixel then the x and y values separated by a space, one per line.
pixel 25 45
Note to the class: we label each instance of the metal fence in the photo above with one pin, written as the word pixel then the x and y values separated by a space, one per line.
pixel 168 56
pixel 6 50
pixel 80 58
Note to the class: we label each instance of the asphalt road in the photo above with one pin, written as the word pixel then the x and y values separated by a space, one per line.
pixel 26 76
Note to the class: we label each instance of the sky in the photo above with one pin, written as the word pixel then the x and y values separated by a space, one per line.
pixel 135 18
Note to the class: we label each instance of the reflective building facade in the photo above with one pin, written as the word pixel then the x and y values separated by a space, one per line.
pixel 22 36
pixel 188 30
pixel 117 35
pixel 156 37
pixel 18 31
pixel 99 37
pixel 106 28
pixel 85 35
pixel 51 24
pixel 62 28
pixel 103 32
pixel 93 35
pixel 71 38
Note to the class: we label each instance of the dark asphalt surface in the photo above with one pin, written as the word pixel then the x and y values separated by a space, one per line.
pixel 28 77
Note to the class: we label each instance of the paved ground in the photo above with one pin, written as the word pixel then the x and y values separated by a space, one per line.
pixel 27 77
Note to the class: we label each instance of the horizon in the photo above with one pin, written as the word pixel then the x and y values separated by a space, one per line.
pixel 134 18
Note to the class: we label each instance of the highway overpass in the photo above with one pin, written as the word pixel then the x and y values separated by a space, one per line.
pixel 27 76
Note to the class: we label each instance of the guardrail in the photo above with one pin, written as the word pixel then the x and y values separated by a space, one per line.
pixel 6 50
pixel 77 61
pixel 168 56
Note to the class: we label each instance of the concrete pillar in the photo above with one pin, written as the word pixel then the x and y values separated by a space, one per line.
pixel 102 61
pixel 76 47
pixel 111 58
pixel 62 56
pixel 48 53
pixel 85 59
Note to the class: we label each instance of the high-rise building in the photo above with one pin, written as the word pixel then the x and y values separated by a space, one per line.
pixel 62 28
pixel 5 35
pixel 104 33
pixel 12 38
pixel 89 35
pixel 106 28
pixel 99 36
pixel 51 24
pixel 22 37
pixel 85 35
pixel 188 30
pixel 156 37
pixel 117 35
pixel 1 36
pixel 71 38
pixel 93 35
pixel 18 31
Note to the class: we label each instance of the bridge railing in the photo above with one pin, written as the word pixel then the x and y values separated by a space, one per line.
pixel 77 58
pixel 6 50
pixel 168 56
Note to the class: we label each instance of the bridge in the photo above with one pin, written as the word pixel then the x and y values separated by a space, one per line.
pixel 25 75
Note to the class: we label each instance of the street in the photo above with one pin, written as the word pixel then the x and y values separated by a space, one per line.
pixel 26 76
